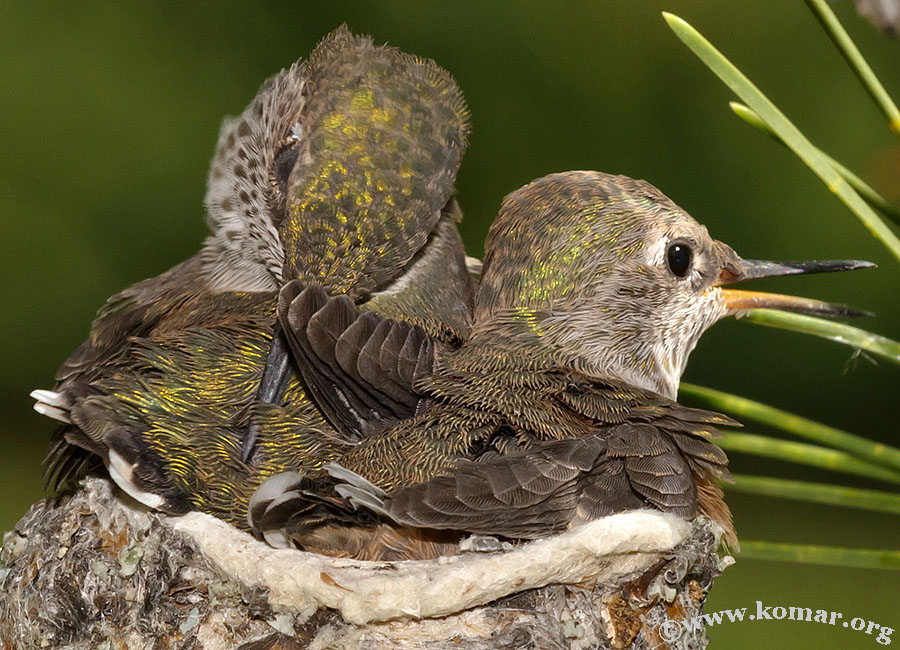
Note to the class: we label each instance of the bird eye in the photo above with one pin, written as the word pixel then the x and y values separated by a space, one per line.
pixel 679 258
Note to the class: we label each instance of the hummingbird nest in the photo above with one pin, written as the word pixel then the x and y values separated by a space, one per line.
pixel 91 570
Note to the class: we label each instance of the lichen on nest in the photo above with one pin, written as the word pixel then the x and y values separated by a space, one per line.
pixel 91 570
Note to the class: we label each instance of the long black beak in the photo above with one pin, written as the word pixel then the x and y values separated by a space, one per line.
pixel 737 301
pixel 754 269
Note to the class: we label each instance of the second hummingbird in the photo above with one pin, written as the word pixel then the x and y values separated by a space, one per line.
pixel 559 408
pixel 339 173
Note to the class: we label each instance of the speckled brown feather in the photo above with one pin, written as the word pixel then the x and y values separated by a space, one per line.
pixel 375 164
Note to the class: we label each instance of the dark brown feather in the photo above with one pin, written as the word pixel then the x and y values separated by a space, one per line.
pixel 360 367
pixel 530 484
pixel 296 307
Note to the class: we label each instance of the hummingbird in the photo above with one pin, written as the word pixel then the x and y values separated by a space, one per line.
pixel 340 173
pixel 559 407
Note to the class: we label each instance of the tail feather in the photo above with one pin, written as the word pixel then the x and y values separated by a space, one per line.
pixel 52 404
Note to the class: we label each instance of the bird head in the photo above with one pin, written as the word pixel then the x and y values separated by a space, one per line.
pixel 606 274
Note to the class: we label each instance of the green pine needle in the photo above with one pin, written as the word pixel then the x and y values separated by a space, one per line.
pixel 865 190
pixel 741 407
pixel 805 454
pixel 848 49
pixel 785 130
pixel 857 558
pixel 834 495
pixel 860 339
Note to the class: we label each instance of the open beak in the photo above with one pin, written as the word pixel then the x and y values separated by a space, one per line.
pixel 737 300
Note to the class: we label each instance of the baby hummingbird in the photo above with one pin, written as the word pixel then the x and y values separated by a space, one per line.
pixel 559 407
pixel 339 173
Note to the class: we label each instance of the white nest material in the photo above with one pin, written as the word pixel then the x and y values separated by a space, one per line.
pixel 600 551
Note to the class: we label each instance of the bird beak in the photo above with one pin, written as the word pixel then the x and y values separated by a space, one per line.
pixel 737 300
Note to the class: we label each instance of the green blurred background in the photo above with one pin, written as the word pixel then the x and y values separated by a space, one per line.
pixel 109 115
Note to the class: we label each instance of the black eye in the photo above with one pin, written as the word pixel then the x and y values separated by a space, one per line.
pixel 679 258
